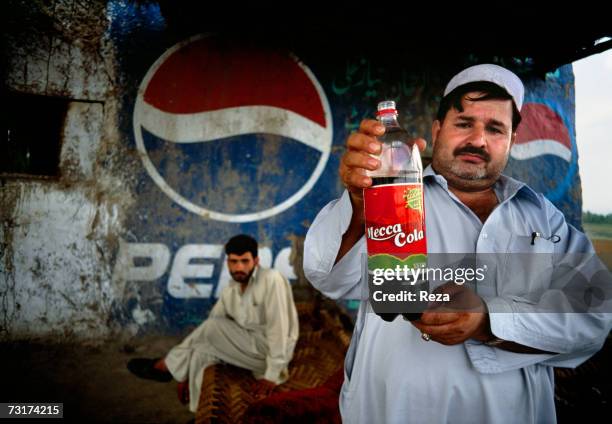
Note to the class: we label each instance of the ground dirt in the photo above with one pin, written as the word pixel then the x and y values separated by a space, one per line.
pixel 92 382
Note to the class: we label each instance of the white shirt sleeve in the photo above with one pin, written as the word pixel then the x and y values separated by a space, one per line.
pixel 321 248
pixel 561 320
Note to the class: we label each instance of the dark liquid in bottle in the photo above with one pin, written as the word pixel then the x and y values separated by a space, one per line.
pixel 398 138
pixel 406 177
pixel 401 178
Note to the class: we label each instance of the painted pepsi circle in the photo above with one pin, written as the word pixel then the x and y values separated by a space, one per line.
pixel 544 136
pixel 217 126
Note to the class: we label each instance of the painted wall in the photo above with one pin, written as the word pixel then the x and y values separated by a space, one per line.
pixel 57 237
pixel 175 142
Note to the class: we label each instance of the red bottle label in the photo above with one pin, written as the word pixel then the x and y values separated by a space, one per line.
pixel 395 225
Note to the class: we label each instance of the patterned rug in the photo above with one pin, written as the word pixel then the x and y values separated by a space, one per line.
pixel 315 376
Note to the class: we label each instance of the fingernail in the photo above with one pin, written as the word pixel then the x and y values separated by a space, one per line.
pixel 380 128
pixel 373 162
pixel 374 147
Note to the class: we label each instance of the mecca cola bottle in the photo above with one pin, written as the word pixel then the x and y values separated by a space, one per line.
pixel 395 223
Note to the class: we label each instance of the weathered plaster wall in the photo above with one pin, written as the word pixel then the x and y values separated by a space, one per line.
pixel 59 235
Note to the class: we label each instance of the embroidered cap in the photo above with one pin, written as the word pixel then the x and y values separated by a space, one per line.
pixel 492 73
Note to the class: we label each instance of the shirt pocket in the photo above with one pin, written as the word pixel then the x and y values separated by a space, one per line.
pixel 528 267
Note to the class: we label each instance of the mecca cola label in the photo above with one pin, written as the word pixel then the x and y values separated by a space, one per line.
pixel 396 243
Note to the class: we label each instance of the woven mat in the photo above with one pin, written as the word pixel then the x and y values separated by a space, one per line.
pixel 319 353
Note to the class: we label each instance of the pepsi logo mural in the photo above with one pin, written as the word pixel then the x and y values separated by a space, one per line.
pixel 545 142
pixel 248 115
pixel 232 139
pixel 542 132
pixel 544 154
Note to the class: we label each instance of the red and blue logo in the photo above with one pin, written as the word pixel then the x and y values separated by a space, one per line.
pixel 544 135
pixel 542 132
pixel 232 133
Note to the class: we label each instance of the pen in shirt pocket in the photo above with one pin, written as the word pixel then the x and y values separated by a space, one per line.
pixel 553 238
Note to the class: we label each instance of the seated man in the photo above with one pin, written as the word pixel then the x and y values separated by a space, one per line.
pixel 253 325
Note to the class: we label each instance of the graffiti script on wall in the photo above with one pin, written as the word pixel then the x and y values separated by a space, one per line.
pixel 364 83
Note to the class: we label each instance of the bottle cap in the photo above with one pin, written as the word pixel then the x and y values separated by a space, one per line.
pixel 386 107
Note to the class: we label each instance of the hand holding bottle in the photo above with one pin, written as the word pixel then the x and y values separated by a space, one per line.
pixel 357 159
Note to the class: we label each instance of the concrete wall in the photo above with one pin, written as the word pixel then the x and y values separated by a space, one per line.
pixel 175 141
pixel 59 235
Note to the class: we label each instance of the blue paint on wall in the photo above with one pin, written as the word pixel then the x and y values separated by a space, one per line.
pixel 556 178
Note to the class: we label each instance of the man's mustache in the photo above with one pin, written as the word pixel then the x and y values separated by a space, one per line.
pixel 472 151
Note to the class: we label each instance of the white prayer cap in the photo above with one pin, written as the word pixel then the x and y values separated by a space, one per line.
pixel 492 73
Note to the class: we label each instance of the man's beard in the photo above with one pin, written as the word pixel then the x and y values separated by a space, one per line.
pixel 464 171
pixel 242 277
pixel 459 171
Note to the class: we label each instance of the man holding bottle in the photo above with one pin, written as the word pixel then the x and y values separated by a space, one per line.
pixel 489 363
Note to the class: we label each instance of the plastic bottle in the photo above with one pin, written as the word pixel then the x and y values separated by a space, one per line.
pixel 395 222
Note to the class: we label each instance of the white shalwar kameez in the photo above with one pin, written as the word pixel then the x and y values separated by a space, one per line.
pixel 256 330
